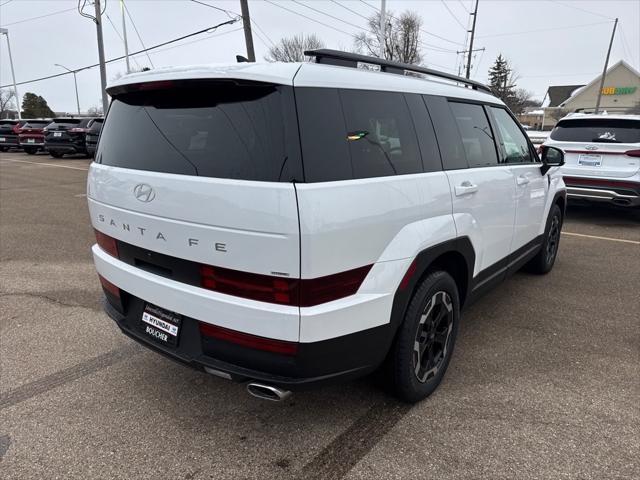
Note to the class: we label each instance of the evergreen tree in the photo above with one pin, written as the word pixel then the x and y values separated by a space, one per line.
pixel 501 80
pixel 34 106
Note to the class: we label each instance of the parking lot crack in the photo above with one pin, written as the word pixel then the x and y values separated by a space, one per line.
pixel 42 297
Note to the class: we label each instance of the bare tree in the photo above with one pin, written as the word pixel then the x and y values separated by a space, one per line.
pixel 291 49
pixel 402 37
pixel 7 101
pixel 95 111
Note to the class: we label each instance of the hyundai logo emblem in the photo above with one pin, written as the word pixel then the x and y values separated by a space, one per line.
pixel 144 192
pixel 591 147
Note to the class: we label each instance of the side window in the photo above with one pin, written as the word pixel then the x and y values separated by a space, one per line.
pixel 513 141
pixel 381 136
pixel 477 137
pixel 449 141
pixel 322 135
pixel 424 130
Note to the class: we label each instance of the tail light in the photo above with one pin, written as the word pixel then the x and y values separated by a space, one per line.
pixel 246 340
pixel 633 153
pixel 107 243
pixel 283 291
pixel 78 130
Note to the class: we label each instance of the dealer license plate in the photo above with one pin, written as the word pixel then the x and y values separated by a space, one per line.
pixel 2 139
pixel 589 160
pixel 161 325
pixel 31 140
pixel 57 134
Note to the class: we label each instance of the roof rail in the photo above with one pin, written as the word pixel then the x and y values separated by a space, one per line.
pixel 345 59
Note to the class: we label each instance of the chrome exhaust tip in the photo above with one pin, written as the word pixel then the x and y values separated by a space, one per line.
pixel 267 392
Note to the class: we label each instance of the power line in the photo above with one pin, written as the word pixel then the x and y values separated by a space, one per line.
pixel 263 32
pixel 193 41
pixel 465 8
pixel 452 14
pixel 328 15
pixel 542 30
pixel 350 10
pixel 41 16
pixel 581 9
pixel 6 3
pixel 209 29
pixel 135 28
pixel 228 12
pixel 309 18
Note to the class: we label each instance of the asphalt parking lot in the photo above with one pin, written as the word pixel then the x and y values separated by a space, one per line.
pixel 544 382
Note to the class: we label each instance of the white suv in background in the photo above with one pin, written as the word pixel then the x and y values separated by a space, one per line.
pixel 602 157
pixel 291 225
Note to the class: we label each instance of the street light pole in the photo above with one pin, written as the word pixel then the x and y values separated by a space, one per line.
pixel 4 31
pixel 75 81
pixel 124 35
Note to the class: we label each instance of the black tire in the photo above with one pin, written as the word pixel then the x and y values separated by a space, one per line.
pixel 30 151
pixel 4 149
pixel 544 260
pixel 434 312
pixel 55 154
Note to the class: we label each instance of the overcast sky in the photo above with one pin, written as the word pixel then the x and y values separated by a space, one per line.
pixel 548 42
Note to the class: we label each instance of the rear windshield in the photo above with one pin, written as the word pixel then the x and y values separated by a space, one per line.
pixel 36 124
pixel 217 129
pixel 64 123
pixel 597 131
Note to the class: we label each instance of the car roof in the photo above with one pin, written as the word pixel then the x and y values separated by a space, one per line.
pixel 308 74
pixel 600 116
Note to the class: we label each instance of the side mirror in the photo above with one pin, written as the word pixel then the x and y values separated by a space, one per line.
pixel 551 157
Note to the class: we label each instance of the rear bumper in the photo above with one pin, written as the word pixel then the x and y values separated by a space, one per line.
pixel 319 360
pixel 10 142
pixel 626 193
pixel 65 148
pixel 315 365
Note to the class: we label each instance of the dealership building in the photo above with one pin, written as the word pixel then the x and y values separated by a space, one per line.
pixel 620 94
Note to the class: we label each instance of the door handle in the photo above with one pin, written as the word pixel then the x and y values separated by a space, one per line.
pixel 465 188
pixel 522 180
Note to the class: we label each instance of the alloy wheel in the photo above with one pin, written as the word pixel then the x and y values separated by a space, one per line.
pixel 432 337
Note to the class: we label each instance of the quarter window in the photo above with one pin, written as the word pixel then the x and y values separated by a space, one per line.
pixel 381 136
pixel 477 137
pixel 514 143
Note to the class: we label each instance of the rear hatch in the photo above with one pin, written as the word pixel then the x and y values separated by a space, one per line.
pixel 203 171
pixel 33 130
pixel 66 131
pixel 8 132
pixel 93 131
pixel 598 147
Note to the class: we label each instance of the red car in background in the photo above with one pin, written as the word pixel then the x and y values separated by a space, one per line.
pixel 31 135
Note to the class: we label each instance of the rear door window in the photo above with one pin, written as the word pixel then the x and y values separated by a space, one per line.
pixel 597 130
pixel 514 143
pixel 380 134
pixel 476 134
pixel 218 129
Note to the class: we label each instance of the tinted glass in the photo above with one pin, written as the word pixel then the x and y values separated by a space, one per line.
pixel 64 123
pixel 449 142
pixel 477 137
pixel 211 129
pixel 598 130
pixel 36 124
pixel 323 135
pixel 514 143
pixel 381 137
pixel 96 125
pixel 424 129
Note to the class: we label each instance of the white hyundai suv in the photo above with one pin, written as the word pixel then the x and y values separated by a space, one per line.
pixel 602 157
pixel 292 225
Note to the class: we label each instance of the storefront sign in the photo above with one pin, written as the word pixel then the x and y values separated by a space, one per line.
pixel 618 90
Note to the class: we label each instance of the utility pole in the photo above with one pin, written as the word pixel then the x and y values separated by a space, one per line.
pixel 75 81
pixel 606 65
pixel 464 52
pixel 248 36
pixel 473 32
pixel 5 32
pixel 124 36
pixel 103 72
pixel 383 27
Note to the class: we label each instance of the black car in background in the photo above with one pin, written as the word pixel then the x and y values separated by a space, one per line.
pixel 9 130
pixel 93 133
pixel 67 136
